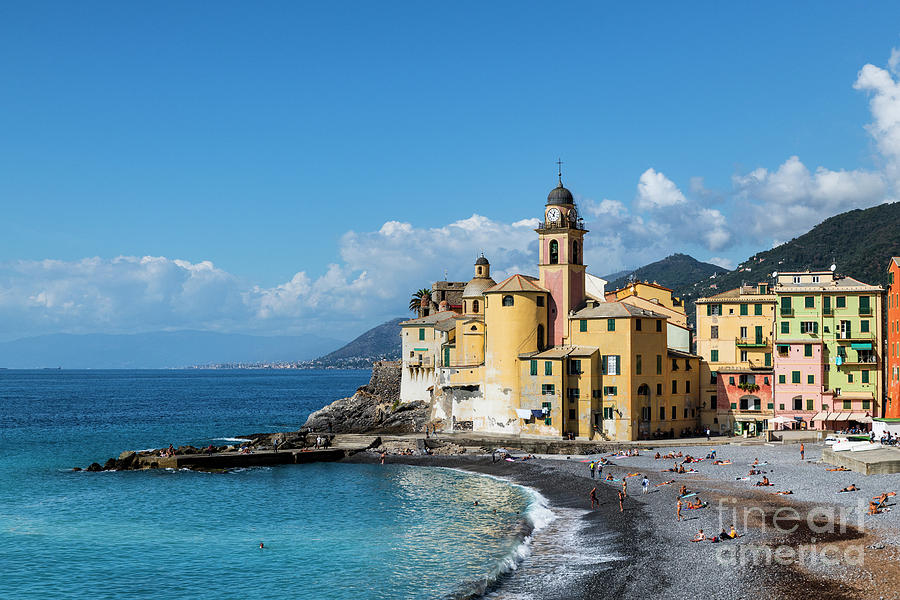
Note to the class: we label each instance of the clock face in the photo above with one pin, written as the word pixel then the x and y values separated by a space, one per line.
pixel 553 215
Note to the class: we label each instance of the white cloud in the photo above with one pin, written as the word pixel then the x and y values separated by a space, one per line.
pixel 789 201
pixel 725 263
pixel 655 191
pixel 884 104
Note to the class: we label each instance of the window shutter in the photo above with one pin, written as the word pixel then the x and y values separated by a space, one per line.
pixel 815 327
pixel 709 310
pixel 603 364
pixel 618 365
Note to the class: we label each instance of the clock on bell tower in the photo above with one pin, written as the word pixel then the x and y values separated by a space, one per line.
pixel 560 264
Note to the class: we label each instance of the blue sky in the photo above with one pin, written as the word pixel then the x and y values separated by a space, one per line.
pixel 268 167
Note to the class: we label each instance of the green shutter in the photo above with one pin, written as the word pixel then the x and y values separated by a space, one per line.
pixel 864 325
pixel 785 327
pixel 757 309
pixel 714 356
pixel 743 310
pixel 709 310
pixel 534 367
pixel 610 324
pixel 422 334
pixel 811 379
pixel 603 364
pixel 768 359
pixel 781 379
pixel 618 365
pixel 795 376
pixel 548 367
pixel 807 350
pixel 809 302
pixel 582 326
pixel 865 376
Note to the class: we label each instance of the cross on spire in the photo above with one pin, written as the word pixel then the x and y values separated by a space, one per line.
pixel 559 163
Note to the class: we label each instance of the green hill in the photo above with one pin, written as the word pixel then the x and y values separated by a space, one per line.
pixel 858 242
pixel 677 272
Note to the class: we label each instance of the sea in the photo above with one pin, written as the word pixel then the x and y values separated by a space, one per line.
pixel 329 530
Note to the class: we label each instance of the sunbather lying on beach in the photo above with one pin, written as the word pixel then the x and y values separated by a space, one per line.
pixel 695 505
pixel 671 481
pixel 838 469
pixel 699 537
pixel 850 488
pixel 874 508
pixel 683 490
pixel 721 462
pixel 785 493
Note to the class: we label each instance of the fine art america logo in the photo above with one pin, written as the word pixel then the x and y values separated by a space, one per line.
pixel 817 537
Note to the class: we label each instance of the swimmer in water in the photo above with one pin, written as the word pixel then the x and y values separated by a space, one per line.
pixel 261 546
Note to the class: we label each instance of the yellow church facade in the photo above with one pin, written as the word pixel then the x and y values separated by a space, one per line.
pixel 541 356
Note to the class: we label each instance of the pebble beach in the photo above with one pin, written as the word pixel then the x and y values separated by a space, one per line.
pixel 812 541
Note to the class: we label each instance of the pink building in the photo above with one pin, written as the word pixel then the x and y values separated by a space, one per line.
pixel 799 376
pixel 744 399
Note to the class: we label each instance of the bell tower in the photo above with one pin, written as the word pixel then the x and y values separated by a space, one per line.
pixel 561 263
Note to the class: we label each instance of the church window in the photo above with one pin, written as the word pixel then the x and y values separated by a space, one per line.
pixel 554 252
pixel 479 270
pixel 507 300
pixel 540 338
pixel 575 252
pixel 475 306
pixel 540 300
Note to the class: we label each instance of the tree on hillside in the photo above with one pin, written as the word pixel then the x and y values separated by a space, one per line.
pixel 416 299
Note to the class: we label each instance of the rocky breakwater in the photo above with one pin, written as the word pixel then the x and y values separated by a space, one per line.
pixel 374 408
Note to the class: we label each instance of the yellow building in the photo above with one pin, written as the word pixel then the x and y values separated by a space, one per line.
pixel 734 337
pixel 539 356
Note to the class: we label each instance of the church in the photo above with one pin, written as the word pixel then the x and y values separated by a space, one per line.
pixel 554 356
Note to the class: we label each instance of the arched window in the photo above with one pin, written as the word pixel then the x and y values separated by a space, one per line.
pixel 507 300
pixel 644 390
pixel 540 338
pixel 464 306
pixel 575 253
pixel 554 252
pixel 479 270
pixel 475 306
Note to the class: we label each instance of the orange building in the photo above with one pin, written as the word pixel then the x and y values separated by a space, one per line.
pixel 892 406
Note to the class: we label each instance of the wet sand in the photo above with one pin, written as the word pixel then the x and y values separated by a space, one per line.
pixel 644 552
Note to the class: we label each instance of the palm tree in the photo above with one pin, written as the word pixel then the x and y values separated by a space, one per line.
pixel 416 301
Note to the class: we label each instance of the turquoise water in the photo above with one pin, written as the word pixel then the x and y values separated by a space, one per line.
pixel 330 530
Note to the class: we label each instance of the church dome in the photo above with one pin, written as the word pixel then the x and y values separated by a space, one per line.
pixel 482 260
pixel 477 285
pixel 560 195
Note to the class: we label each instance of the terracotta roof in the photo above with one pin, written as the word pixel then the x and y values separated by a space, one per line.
pixel 430 319
pixel 562 352
pixel 609 310
pixel 516 283
pixel 896 260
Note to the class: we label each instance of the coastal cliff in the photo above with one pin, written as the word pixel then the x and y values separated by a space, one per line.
pixel 374 408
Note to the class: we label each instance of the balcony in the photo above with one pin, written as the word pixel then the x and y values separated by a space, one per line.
pixel 753 342
pixel 861 360
pixel 420 361
pixel 843 336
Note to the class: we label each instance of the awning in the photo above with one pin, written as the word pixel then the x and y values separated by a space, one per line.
pixel 857 416
pixel 864 420
pixel 523 413
pixel 820 416
pixel 861 345
pixel 749 419
pixel 537 414
pixel 838 416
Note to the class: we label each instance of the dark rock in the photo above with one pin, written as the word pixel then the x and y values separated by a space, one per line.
pixel 109 465
pixel 127 460
pixel 76 468
pixel 94 467
pixel 374 408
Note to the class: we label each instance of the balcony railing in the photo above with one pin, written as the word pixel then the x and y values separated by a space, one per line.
pixel 855 335
pixel 420 361
pixel 861 360
pixel 753 342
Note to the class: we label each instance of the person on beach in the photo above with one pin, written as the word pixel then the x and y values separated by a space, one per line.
pixel 678 506
pixel 592 467
pixel 699 537
pixel 723 535
pixel 850 488
pixel 645 485
pixel 621 501
pixel 624 487
pixel 802 450
pixel 383 453
pixel 733 534
pixel 594 500
pixel 707 434
pixel 275 445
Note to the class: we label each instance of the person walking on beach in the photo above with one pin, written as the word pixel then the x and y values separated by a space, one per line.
pixel 275 445
pixel 592 467
pixel 624 487
pixel 678 515
pixel 802 450
pixel 707 434
pixel 621 501
pixel 645 485
pixel 594 500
